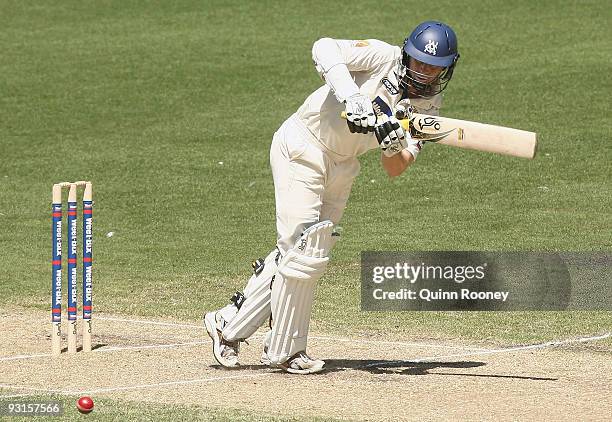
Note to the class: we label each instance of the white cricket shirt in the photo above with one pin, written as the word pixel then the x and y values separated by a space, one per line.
pixel 372 64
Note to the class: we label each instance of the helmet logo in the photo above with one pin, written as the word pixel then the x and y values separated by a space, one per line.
pixel 431 47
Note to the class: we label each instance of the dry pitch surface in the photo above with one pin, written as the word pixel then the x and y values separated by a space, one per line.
pixel 367 378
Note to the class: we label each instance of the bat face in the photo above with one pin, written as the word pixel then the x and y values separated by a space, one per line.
pixel 472 135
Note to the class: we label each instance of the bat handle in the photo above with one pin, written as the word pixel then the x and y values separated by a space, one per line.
pixel 404 122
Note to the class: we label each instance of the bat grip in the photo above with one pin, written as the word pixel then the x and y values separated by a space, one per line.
pixel 404 122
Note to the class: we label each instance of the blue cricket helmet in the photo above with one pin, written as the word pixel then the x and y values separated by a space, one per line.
pixel 433 43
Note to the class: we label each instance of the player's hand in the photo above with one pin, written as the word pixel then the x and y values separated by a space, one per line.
pixel 390 135
pixel 360 115
pixel 403 110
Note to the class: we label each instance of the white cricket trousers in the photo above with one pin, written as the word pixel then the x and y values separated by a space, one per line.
pixel 309 186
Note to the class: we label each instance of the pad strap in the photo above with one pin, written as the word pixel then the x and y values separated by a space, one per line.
pixel 237 299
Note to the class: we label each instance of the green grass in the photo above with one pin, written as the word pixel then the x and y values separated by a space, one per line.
pixel 120 410
pixel 146 98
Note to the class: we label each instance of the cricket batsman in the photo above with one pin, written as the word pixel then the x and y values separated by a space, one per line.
pixel 314 162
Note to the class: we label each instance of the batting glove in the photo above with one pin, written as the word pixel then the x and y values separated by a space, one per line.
pixel 403 109
pixel 360 115
pixel 390 135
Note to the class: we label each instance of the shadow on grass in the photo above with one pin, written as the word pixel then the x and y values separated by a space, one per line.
pixel 415 368
pixel 394 367
pixel 80 348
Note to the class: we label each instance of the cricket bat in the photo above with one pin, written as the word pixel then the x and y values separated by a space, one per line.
pixel 471 135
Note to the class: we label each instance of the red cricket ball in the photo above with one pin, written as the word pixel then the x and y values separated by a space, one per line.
pixel 85 404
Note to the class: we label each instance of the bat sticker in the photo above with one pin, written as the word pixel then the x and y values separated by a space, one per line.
pixel 420 125
pixel 430 137
pixel 428 122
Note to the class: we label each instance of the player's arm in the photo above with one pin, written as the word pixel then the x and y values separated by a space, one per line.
pixel 396 164
pixel 356 55
pixel 334 60
pixel 332 67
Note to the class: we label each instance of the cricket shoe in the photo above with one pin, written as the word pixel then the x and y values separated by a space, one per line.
pixel 302 364
pixel 225 352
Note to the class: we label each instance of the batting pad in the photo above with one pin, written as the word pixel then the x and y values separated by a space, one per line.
pixel 256 307
pixel 293 291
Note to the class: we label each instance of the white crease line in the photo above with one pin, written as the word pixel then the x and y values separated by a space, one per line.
pixel 396 343
pixel 18 357
pixel 141 321
pixel 553 343
pixel 325 338
pixel 113 349
pixel 130 387
pixel 153 346
pixel 14 396
pixel 165 384
pixel 42 390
